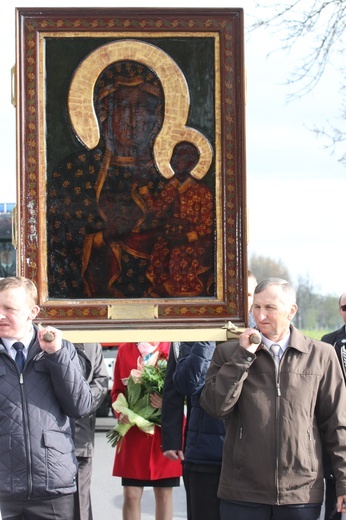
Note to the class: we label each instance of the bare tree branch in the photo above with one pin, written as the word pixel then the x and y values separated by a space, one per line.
pixel 322 27
pixel 319 27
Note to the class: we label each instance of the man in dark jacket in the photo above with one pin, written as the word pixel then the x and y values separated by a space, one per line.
pixel 201 452
pixel 338 337
pixel 201 448
pixel 41 387
pixel 338 340
pixel 85 428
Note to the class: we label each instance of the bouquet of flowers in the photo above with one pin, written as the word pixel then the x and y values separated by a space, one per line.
pixel 147 379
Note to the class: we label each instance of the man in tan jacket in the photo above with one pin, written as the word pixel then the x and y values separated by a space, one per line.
pixel 277 398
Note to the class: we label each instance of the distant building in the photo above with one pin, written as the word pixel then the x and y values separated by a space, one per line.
pixel 6 207
pixel 7 251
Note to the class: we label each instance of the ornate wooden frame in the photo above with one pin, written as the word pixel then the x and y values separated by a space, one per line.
pixel 165 29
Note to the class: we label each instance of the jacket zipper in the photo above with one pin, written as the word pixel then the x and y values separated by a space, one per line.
pixel 278 393
pixel 26 435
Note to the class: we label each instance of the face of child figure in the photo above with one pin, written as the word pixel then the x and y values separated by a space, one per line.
pixel 184 158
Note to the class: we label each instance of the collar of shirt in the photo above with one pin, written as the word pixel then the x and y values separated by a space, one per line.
pixel 26 340
pixel 284 342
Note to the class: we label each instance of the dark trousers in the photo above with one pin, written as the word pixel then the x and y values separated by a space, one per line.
pixel 203 503
pixel 251 511
pixel 330 501
pixel 187 492
pixel 83 510
pixel 60 508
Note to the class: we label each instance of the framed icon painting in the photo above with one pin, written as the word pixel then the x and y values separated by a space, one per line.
pixel 131 166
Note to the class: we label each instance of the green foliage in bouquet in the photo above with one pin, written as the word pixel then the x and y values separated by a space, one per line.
pixel 153 377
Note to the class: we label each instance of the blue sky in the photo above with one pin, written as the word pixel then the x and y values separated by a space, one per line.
pixel 295 188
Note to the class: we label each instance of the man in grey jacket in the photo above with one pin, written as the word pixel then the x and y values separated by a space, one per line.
pixel 41 388
pixel 277 398
pixel 85 428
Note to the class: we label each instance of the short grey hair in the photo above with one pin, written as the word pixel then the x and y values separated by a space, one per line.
pixel 287 288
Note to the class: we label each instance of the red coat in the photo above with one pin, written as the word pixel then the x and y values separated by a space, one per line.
pixel 140 455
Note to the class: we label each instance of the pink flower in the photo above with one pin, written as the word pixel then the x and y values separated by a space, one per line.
pixel 136 375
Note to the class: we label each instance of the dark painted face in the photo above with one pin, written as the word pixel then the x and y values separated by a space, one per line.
pixel 184 159
pixel 134 118
pixel 129 103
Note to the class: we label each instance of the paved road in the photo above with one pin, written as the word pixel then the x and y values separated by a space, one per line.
pixel 106 490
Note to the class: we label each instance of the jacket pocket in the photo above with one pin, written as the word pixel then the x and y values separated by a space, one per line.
pixel 312 448
pixel 61 464
pixel 6 470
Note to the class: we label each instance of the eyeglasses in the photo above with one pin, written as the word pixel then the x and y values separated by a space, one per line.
pixel 343 308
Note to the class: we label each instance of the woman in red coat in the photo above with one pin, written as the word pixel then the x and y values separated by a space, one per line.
pixel 139 459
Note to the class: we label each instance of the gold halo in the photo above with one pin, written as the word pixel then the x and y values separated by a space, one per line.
pixel 177 102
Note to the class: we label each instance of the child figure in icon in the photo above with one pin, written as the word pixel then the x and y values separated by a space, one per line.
pixel 182 258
